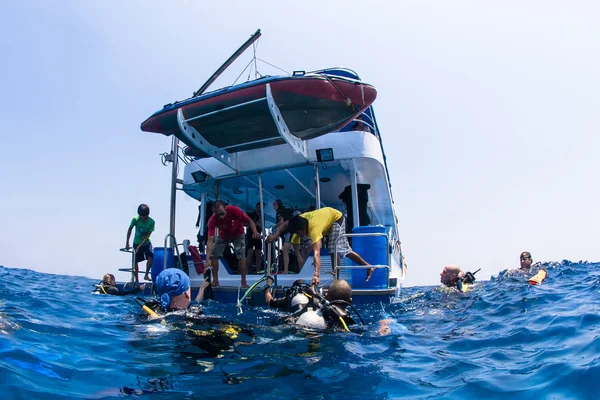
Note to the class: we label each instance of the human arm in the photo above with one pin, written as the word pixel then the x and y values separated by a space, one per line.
pixel 203 285
pixel 209 247
pixel 116 292
pixel 273 302
pixel 281 227
pixel 128 237
pixel 252 225
pixel 317 261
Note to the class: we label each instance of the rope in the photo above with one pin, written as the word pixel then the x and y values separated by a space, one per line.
pixel 274 66
pixel 244 70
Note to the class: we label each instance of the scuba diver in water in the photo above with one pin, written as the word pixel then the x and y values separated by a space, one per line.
pixel 309 309
pixel 109 286
pixel 453 276
pixel 211 334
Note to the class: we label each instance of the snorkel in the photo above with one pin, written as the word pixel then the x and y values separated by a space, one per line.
pixel 145 307
pixel 469 278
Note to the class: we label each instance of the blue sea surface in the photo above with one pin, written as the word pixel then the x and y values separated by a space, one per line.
pixel 502 339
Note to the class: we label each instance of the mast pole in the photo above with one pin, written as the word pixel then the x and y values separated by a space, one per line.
pixel 174 167
pixel 227 63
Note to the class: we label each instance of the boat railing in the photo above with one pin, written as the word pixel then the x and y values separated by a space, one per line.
pixel 337 268
pixel 175 246
pixel 132 269
pixel 365 123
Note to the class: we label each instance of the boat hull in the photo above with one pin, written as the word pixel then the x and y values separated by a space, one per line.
pixel 311 105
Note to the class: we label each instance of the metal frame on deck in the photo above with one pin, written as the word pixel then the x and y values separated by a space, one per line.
pixel 221 154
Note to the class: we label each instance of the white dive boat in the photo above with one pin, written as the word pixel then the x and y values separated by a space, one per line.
pixel 345 169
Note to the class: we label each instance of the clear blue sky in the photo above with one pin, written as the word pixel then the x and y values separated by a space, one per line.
pixel 489 113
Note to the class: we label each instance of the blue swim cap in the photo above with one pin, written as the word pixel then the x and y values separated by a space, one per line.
pixel 170 283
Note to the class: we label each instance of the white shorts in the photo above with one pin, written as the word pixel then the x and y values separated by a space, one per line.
pixel 336 230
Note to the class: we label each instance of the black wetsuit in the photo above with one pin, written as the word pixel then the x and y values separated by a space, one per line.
pixel 210 334
pixel 115 290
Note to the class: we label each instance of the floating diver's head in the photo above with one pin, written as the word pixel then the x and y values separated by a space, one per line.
pixel 449 275
pixel 339 290
pixel 108 280
pixel 173 287
pixel 526 260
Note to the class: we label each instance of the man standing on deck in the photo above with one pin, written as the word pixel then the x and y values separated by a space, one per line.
pixel 230 220
pixel 316 224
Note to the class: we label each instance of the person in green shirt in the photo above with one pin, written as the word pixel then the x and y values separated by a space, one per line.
pixel 142 247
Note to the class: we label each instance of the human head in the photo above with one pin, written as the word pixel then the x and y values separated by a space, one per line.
pixel 449 275
pixel 108 280
pixel 526 260
pixel 278 204
pixel 340 290
pixel 257 207
pixel 219 209
pixel 173 287
pixel 298 225
pixel 143 211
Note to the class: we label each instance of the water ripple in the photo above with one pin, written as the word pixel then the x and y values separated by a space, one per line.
pixel 503 339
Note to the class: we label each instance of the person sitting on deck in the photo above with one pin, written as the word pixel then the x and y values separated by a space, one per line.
pixel 316 224
pixel 283 216
pixel 360 125
pixel 230 220
pixel 109 286
pixel 254 246
pixel 311 310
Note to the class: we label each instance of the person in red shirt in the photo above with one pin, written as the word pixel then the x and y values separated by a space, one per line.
pixel 230 221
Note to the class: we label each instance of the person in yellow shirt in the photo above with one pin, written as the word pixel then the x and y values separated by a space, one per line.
pixel 321 222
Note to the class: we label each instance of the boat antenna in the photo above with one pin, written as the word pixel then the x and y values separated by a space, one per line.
pixel 227 63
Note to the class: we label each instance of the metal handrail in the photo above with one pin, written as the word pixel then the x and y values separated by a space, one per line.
pixel 165 249
pixel 337 267
pixel 123 249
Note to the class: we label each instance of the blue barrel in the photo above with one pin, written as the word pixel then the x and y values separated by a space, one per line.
pixel 159 260
pixel 373 249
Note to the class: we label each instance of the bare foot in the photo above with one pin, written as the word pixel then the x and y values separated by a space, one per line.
pixel 215 284
pixel 244 286
pixel 147 278
pixel 369 273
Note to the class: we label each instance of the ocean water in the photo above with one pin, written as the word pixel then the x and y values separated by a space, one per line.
pixel 503 339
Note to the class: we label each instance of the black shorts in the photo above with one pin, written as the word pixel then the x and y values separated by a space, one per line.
pixel 254 243
pixel 144 253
